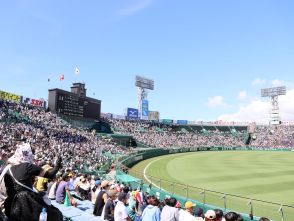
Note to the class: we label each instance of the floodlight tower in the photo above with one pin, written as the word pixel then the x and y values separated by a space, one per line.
pixel 274 94
pixel 143 85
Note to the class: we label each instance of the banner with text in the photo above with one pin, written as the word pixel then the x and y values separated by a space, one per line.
pixel 106 115
pixel 10 97
pixel 167 121
pixel 34 102
pixel 182 122
pixel 132 113
pixel 145 110
pixel 154 116
pixel 118 117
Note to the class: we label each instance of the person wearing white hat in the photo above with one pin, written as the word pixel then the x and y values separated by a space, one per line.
pixel 210 215
pixel 23 203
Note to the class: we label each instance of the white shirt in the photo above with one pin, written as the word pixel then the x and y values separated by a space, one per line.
pixel 170 213
pixel 120 212
pixel 186 216
pixel 52 190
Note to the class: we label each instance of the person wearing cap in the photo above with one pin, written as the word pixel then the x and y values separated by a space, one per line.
pixel 42 182
pixel 210 215
pixel 179 205
pixel 169 211
pixel 152 211
pixel 71 181
pixel 101 198
pixel 95 190
pixel 187 214
pixel 83 188
pixel 120 211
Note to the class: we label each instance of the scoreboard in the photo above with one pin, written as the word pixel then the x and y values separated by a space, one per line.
pixel 71 104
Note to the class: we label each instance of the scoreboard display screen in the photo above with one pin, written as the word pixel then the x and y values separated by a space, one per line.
pixel 73 105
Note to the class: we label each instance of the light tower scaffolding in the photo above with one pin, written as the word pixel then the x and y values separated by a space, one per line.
pixel 274 93
pixel 143 85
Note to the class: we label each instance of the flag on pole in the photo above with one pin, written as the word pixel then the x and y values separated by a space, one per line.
pixel 48 79
pixel 77 71
pixel 61 77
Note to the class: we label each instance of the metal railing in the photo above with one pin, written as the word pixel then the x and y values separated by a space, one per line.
pixel 250 208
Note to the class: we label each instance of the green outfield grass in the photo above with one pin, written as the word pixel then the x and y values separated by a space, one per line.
pixel 261 175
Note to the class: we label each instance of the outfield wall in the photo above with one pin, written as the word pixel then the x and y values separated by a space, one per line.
pixel 144 155
pixel 158 190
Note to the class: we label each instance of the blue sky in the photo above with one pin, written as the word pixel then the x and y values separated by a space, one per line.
pixel 203 55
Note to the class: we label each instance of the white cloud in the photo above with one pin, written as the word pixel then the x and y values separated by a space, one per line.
pixel 258 110
pixel 135 7
pixel 242 95
pixel 216 101
pixel 278 82
pixel 258 81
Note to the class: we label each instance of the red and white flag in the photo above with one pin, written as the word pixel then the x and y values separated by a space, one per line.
pixel 77 71
pixel 61 77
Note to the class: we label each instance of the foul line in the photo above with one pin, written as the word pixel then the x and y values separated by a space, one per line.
pixel 145 176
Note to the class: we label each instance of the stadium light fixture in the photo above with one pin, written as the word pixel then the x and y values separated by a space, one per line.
pixel 143 84
pixel 274 93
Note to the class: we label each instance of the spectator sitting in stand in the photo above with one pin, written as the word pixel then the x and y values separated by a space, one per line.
pixel 62 190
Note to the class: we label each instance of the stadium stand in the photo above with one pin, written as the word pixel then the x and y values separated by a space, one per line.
pixel 167 136
pixel 83 151
pixel 51 136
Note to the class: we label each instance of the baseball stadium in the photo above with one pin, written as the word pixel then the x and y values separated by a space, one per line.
pixel 147 110
pixel 234 167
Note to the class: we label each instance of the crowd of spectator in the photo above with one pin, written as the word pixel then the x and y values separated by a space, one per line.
pixel 165 137
pixel 116 201
pixel 50 136
pixel 281 136
pixel 113 201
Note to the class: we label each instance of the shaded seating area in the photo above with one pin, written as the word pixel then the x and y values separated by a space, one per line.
pixel 83 212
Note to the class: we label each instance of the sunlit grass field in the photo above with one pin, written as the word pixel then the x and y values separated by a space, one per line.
pixel 268 176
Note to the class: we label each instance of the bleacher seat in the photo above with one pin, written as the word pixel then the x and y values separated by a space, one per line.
pixel 83 212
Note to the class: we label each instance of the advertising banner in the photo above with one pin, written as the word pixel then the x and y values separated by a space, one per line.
pixel 154 115
pixel 145 110
pixel 167 121
pixel 182 122
pixel 132 113
pixel 106 115
pixel 10 97
pixel 33 102
pixel 118 117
